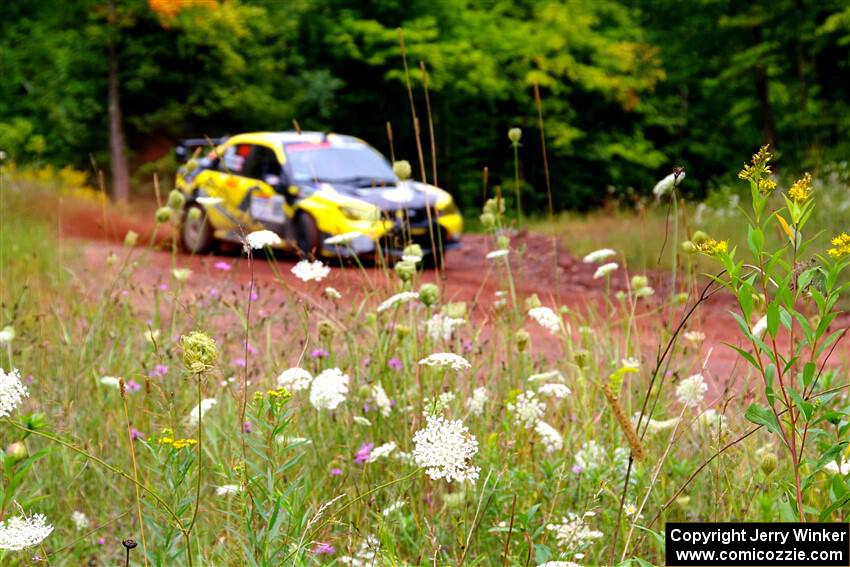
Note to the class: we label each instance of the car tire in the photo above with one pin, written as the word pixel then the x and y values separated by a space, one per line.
pixel 196 235
pixel 307 236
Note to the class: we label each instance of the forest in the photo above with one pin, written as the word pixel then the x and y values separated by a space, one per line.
pixel 627 89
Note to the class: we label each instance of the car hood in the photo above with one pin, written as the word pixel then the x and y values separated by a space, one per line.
pixel 403 195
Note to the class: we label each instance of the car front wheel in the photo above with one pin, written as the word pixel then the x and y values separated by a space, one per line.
pixel 307 236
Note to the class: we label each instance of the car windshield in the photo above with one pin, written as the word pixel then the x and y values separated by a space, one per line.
pixel 355 164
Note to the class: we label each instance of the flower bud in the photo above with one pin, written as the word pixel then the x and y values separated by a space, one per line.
pixel 522 339
pixel 405 270
pixel 131 238
pixel 495 206
pixel 688 247
pixel 194 213
pixel 700 237
pixel 402 169
pixel 488 220
pixel 429 294
pixel 680 298
pixel 639 282
pixel 582 359
pixel 163 214
pixel 17 451
pixel 514 135
pixel 199 352
pixel 176 199
pixel 768 463
pixel 413 250
pixel 326 330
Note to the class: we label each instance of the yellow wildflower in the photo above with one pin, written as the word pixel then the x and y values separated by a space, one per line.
pixel 759 165
pixel 841 245
pixel 713 247
pixel 183 443
pixel 801 190
pixel 766 185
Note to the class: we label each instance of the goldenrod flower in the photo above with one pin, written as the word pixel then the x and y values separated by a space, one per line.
pixel 759 166
pixel 841 245
pixel 184 443
pixel 712 247
pixel 766 185
pixel 801 190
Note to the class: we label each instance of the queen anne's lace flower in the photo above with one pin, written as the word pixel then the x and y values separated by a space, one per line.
pixel 397 299
pixel 110 381
pixel 200 411
pixel 383 451
pixel 308 271
pixel 228 489
pixel 599 256
pixel 20 532
pixel 12 391
pixel 554 390
pixel 79 520
pixel 573 531
pixel 527 409
pixel 382 401
pixel 329 389
pixel 294 379
pixel 445 449
pixel 605 269
pixel 475 404
pixel 181 274
pixel 446 360
pixel 394 507
pixel 549 436
pixel 694 337
pixel 261 238
pixel 343 239
pixel 498 254
pixel 590 457
pixel 441 326
pixel 691 390
pixel 546 318
pixel 365 556
pixel 332 293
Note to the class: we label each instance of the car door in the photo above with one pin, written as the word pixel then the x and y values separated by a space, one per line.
pixel 262 200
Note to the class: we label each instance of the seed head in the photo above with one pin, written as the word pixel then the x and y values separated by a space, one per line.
pixel 176 199
pixel 163 215
pixel 402 169
pixel 199 352
pixel 514 135
pixel 429 294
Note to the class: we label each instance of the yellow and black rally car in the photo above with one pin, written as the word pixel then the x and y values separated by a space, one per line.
pixel 308 187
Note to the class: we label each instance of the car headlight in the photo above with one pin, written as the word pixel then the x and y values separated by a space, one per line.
pixel 360 213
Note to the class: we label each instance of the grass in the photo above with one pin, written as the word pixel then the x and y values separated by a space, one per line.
pixel 266 478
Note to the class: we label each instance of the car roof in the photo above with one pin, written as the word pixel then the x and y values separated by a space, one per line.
pixel 292 137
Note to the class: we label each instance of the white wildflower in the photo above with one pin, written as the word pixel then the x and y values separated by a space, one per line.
pixel 714 423
pixel 547 376
pixel 446 360
pixel 666 185
pixel 360 420
pixel 294 379
pixel 200 411
pixel 398 299
pixel 475 404
pixel 645 291
pixel 343 239
pixel 554 390
pixel 20 532
pixel 12 391
pixel 110 381
pixel 441 326
pixel 227 489
pixel 498 254
pixel 259 239
pixel 445 449
pixel 691 390
pixel 394 507
pixel 527 409
pixel 599 256
pixel 79 520
pixel 631 511
pixel 546 318
pixel 382 401
pixel 695 337
pixel 365 556
pixel 590 457
pixel 329 389
pixel 380 452
pixel 549 436
pixel 605 270
pixel 7 334
pixel 181 274
pixel 573 531
pixel 332 293
pixel 760 327
pixel 843 469
pixel 308 271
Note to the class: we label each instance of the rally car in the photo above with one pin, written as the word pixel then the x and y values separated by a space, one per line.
pixel 309 187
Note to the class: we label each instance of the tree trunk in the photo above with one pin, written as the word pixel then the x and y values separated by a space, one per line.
pixel 117 153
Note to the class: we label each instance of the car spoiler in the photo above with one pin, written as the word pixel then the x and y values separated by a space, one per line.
pixel 186 146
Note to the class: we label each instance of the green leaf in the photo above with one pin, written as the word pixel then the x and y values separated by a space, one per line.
pixel 773 318
pixel 762 415
pixel 808 373
pixel 830 455
pixel 806 408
